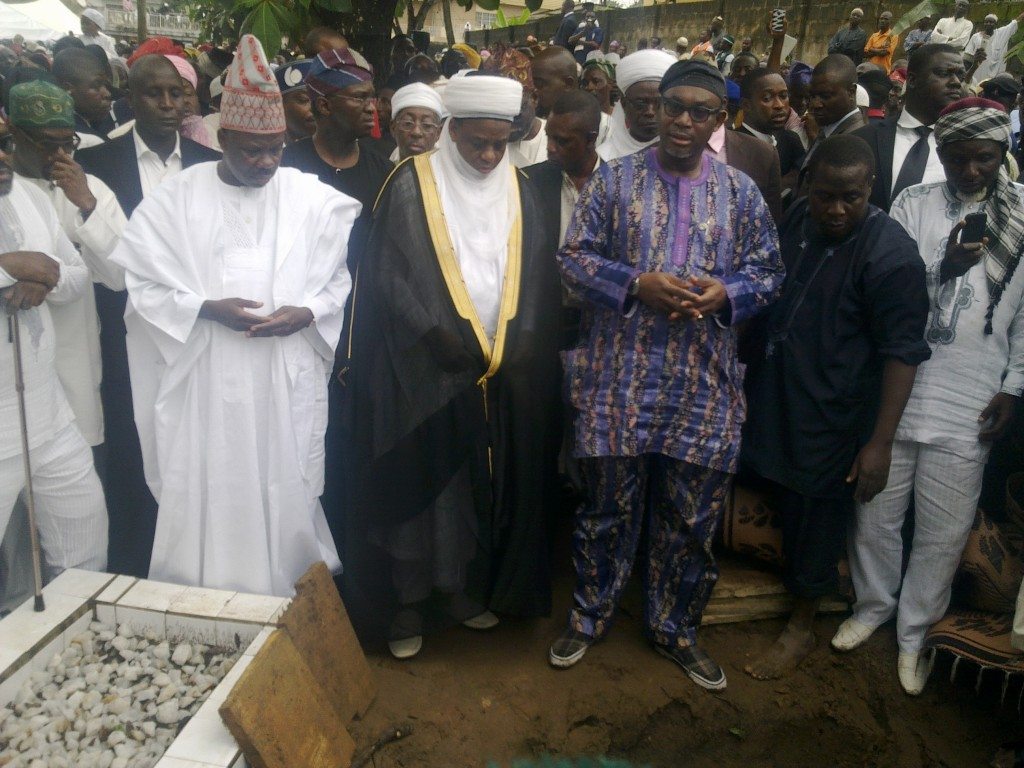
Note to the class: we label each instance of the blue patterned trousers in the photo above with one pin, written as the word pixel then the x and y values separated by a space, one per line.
pixel 682 505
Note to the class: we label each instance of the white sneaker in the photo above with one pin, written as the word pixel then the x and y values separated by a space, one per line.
pixel 407 647
pixel 913 669
pixel 485 620
pixel 851 634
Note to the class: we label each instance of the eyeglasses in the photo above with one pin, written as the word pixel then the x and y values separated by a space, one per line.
pixel 364 101
pixel 49 147
pixel 643 105
pixel 409 124
pixel 7 143
pixel 697 112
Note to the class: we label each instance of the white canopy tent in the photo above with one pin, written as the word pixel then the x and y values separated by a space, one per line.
pixel 37 20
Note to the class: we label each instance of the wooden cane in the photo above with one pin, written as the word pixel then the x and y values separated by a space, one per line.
pixel 14 329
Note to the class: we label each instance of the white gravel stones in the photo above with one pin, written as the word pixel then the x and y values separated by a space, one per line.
pixel 111 699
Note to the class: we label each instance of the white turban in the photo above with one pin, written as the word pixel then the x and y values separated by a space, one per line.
pixel 648 64
pixel 483 96
pixel 95 17
pixel 862 96
pixel 417 95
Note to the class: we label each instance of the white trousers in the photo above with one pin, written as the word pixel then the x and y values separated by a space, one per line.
pixel 71 511
pixel 945 490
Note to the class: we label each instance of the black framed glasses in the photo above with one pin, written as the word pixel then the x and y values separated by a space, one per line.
pixel 48 147
pixel 698 112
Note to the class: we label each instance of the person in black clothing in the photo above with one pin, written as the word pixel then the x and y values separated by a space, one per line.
pixel 341 155
pixel 764 97
pixel 79 73
pixel 133 165
pixel 838 355
pixel 851 38
pixel 904 147
pixel 567 28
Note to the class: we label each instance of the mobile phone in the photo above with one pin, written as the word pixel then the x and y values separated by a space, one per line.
pixel 974 228
pixel 778 17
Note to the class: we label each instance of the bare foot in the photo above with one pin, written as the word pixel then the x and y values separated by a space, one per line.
pixel 784 656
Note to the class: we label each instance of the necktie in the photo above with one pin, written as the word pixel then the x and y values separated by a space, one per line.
pixel 914 163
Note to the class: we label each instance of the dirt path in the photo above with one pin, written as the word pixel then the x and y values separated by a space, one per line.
pixel 479 697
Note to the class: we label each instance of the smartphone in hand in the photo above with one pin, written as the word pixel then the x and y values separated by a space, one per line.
pixel 974 228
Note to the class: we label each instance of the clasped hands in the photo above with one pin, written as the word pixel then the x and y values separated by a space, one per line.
pixel 36 273
pixel 233 313
pixel 681 298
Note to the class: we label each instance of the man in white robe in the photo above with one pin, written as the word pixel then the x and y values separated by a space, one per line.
pixel 93 23
pixel 40 268
pixel 634 122
pixel 232 324
pixel 89 214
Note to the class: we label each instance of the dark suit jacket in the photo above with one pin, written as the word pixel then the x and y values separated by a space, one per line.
pixel 546 178
pixel 882 140
pixel 115 164
pixel 761 163
pixel 130 506
pixel 848 124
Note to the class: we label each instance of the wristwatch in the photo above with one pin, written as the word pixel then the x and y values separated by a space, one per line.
pixel 634 287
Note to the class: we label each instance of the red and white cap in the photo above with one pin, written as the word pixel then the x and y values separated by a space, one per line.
pixel 252 100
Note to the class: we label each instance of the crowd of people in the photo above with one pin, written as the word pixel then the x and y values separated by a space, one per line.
pixel 280 312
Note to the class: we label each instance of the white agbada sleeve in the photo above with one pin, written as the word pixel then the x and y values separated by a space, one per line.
pixel 74 274
pixel 163 283
pixel 1013 378
pixel 99 234
pixel 328 281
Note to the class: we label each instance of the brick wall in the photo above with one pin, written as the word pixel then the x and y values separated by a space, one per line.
pixel 813 22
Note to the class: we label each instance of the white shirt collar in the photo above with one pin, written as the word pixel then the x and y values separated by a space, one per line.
pixel 908 121
pixel 828 129
pixel 141 147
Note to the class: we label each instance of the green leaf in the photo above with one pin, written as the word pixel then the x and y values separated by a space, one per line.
pixel 738 732
pixel 500 20
pixel 400 9
pixel 489 5
pixel 264 23
pixel 534 5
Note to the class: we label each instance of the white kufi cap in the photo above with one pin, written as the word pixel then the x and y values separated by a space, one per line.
pixel 417 95
pixel 638 67
pixel 95 17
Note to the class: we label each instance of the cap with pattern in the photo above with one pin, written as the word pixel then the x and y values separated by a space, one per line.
pixel 252 101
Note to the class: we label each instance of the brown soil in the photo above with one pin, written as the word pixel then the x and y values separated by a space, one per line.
pixel 478 697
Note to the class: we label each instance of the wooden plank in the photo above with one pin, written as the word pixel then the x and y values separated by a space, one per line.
pixel 318 625
pixel 279 715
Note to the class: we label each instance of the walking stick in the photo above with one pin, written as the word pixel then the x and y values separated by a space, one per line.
pixel 14 330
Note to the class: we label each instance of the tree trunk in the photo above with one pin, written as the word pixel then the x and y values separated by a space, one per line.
pixel 446 7
pixel 141 27
pixel 372 32
pixel 420 18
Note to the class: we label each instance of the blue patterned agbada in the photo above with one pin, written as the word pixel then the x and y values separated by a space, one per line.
pixel 639 382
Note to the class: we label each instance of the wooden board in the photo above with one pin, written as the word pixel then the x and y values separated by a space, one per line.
pixel 280 716
pixel 318 625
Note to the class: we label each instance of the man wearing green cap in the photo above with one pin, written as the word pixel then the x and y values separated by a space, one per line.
pixel 40 269
pixel 42 125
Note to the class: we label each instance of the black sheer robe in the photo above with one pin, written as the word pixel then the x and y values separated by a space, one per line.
pixel 430 398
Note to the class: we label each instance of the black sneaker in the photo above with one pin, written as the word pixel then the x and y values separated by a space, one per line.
pixel 569 648
pixel 697 665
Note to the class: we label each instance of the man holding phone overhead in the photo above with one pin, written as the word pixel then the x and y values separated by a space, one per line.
pixel 963 397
